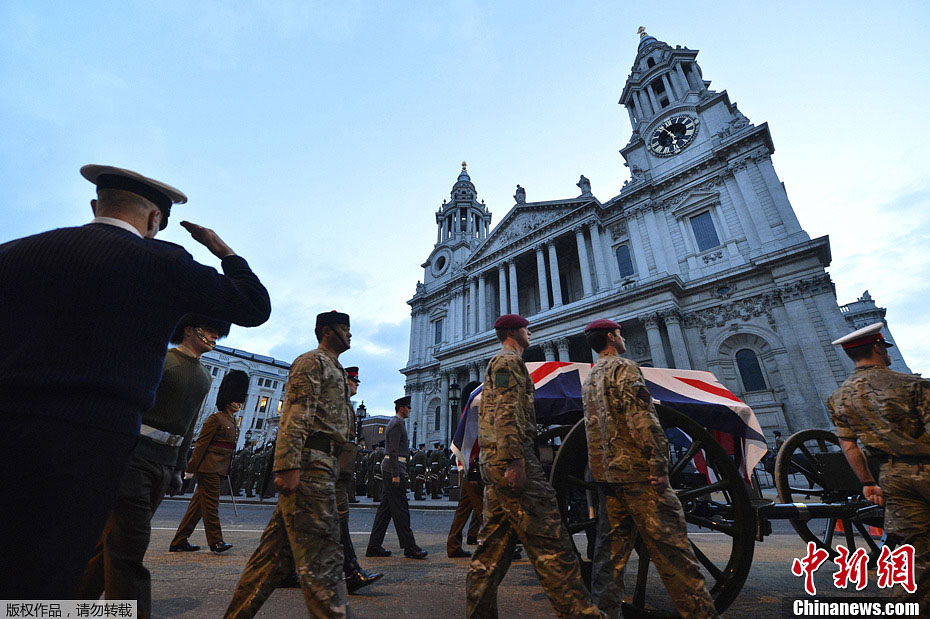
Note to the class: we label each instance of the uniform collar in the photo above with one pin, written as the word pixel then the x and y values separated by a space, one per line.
pixel 119 223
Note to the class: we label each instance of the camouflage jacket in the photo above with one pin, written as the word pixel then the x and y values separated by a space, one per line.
pixel 506 419
pixel 888 411
pixel 625 441
pixel 316 402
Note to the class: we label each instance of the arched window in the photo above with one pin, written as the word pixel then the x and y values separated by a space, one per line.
pixel 624 261
pixel 750 370
pixel 438 418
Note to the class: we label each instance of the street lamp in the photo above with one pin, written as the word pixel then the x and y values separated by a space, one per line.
pixel 453 407
pixel 360 415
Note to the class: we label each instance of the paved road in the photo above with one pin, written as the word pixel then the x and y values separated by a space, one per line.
pixel 201 584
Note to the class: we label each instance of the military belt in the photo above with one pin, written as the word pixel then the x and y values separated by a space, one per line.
pixel 223 444
pixel 160 436
pixel 321 443
pixel 883 458
pixel 399 459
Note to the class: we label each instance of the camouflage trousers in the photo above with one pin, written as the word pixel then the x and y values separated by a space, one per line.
pixel 532 517
pixel 907 516
pixel 302 532
pixel 627 509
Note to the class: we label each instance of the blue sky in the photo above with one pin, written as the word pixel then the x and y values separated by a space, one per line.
pixel 318 139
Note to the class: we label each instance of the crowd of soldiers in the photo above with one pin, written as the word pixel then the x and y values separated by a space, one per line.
pixel 106 437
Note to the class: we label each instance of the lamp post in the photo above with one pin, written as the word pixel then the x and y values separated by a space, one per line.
pixel 360 415
pixel 415 444
pixel 453 407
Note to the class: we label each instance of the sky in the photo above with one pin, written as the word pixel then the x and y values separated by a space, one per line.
pixel 319 138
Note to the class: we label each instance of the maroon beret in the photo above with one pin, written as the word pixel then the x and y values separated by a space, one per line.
pixel 511 321
pixel 602 323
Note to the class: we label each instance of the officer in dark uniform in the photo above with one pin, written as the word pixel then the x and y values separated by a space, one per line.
pixel 377 484
pixel 436 463
pixel 394 506
pixel 418 460
pixel 889 413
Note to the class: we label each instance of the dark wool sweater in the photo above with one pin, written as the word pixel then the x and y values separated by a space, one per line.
pixel 86 313
pixel 180 395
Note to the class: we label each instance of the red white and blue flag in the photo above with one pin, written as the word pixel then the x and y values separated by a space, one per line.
pixel 695 393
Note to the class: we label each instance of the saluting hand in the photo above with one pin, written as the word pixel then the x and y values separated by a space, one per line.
pixel 209 239
pixel 286 481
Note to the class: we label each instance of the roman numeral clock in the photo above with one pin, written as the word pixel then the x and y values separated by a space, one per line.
pixel 673 135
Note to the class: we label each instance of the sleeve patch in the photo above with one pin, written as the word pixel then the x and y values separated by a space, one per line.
pixel 502 380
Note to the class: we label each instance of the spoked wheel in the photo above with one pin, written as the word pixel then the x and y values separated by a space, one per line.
pixel 811 467
pixel 717 501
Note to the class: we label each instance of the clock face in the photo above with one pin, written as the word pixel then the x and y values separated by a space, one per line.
pixel 673 135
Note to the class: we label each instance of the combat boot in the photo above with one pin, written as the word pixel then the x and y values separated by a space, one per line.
pixel 358 578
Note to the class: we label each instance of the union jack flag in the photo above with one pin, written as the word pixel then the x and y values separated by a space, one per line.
pixel 695 393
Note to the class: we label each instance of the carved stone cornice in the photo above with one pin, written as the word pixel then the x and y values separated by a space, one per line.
pixel 650 321
pixel 670 316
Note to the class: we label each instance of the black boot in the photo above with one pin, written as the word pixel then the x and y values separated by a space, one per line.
pixel 358 578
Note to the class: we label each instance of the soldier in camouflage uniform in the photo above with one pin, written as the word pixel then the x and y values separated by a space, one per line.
pixel 628 456
pixel 418 472
pixel 889 413
pixel 304 529
pixel 518 501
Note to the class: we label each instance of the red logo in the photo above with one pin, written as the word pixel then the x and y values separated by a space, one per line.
pixel 808 565
pixel 897 567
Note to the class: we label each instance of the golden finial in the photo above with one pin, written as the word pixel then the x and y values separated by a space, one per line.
pixel 642 31
pixel 464 165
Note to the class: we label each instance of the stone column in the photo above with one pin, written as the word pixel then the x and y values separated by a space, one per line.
pixel 482 305
pixel 448 334
pixel 777 191
pixel 636 245
pixel 603 282
pixel 541 279
pixel 554 275
pixel 644 103
pixel 473 304
pixel 549 350
pixel 651 322
pixel 629 109
pixel 514 291
pixel 672 95
pixel 502 288
pixel 653 99
pixel 748 194
pixel 583 261
pixel 413 339
pixel 677 339
pixel 562 344
pixel 444 404
pixel 682 80
pixel 658 252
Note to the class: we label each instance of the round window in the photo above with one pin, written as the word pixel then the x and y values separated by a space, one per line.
pixel 440 263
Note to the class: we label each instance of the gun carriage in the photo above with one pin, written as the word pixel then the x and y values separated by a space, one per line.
pixel 817 491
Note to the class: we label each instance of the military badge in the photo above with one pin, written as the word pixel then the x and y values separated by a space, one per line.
pixel 501 380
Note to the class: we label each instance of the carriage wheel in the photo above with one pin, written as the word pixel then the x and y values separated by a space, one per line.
pixel 811 466
pixel 722 506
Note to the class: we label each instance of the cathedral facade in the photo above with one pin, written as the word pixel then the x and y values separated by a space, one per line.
pixel 700 258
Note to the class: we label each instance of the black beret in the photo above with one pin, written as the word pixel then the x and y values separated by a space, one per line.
pixel 201 321
pixel 234 388
pixel 328 319
pixel 404 401
pixel 602 323
pixel 511 321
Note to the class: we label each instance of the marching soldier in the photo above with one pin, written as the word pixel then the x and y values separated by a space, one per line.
pixel 377 484
pixel 436 458
pixel 355 576
pixel 418 460
pixel 627 453
pixel 210 462
pixel 889 413
pixel 519 503
pixel 117 568
pixel 253 470
pixel 304 530
pixel 394 506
